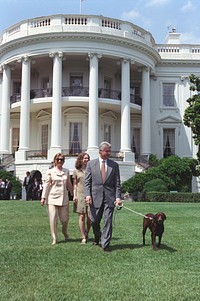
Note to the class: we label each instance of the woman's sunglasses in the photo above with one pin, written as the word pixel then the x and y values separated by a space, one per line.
pixel 60 159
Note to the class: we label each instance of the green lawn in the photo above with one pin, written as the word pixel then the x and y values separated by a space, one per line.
pixel 32 269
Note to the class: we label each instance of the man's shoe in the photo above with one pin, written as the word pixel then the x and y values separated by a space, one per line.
pixel 107 249
pixel 95 243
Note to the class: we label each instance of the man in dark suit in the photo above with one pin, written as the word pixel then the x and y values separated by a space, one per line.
pixel 8 188
pixel 102 191
pixel 28 184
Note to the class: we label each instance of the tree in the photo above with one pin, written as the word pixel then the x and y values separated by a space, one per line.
pixel 191 116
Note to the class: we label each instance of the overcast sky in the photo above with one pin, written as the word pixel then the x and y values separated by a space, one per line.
pixel 156 16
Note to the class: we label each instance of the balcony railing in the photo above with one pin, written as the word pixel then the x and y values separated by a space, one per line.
pixel 76 91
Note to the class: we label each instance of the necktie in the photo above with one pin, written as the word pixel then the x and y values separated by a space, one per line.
pixel 103 171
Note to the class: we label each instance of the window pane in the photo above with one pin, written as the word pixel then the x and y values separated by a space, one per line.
pixel 107 133
pixel 75 143
pixel 135 141
pixel 168 142
pixel 44 137
pixel 15 139
pixel 168 94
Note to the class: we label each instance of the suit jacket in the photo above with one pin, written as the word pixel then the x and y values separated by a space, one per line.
pixel 56 187
pixel 99 191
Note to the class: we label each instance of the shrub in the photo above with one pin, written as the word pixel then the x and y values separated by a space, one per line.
pixel 155 185
pixel 17 186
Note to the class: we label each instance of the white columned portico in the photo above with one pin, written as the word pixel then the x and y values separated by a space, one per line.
pixel 93 118
pixel 146 112
pixel 5 117
pixel 125 111
pixel 56 121
pixel 25 110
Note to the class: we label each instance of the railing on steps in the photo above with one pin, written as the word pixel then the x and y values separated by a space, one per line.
pixel 6 160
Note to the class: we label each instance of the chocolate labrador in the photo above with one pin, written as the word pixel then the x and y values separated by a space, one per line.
pixel 155 222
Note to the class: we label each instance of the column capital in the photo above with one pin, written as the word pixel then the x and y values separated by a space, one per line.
pixel 3 67
pixel 146 68
pixel 56 53
pixel 24 58
pixel 127 60
pixel 91 55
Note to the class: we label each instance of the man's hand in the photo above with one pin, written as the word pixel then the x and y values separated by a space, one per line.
pixel 118 202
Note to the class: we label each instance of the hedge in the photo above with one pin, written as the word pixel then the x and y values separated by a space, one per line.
pixel 178 197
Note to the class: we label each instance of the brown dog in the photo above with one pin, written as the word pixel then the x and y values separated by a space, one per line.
pixel 156 225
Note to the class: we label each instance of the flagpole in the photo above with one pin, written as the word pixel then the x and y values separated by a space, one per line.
pixel 81 6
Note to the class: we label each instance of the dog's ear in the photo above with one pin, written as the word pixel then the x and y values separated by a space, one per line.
pixel 164 216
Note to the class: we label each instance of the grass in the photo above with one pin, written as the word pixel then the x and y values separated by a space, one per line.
pixel 33 270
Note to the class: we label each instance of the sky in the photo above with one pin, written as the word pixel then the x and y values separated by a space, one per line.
pixel 156 16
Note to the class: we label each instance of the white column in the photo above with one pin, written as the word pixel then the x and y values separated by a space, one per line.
pixel 5 116
pixel 146 113
pixel 56 121
pixel 125 106
pixel 20 155
pixel 93 117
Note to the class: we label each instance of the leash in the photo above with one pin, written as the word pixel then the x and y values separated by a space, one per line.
pixel 122 206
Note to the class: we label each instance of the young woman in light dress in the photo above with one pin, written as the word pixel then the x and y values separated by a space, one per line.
pixel 80 205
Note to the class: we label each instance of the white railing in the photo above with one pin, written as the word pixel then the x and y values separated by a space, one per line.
pixel 76 23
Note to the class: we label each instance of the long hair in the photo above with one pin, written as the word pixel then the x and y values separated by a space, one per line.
pixel 79 160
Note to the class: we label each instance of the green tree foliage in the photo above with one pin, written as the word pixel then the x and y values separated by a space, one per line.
pixel 155 185
pixel 17 186
pixel 191 116
pixel 175 172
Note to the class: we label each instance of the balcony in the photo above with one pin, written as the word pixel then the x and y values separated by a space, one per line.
pixel 77 92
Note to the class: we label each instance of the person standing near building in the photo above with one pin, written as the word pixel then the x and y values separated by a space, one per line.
pixel 2 189
pixel 55 195
pixel 8 188
pixel 28 186
pixel 103 192
pixel 79 201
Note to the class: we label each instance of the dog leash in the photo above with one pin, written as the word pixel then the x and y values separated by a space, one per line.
pixel 122 206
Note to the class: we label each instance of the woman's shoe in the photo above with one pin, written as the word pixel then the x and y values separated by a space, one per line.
pixel 83 241
pixel 53 242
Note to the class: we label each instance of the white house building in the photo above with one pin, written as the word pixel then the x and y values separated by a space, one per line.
pixel 68 82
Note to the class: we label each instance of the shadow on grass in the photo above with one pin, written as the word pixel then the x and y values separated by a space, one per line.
pixel 167 248
pixel 137 246
pixel 126 246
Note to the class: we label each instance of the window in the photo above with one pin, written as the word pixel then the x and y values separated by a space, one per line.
pixel 107 87
pixel 45 82
pixel 135 141
pixel 135 94
pixel 15 139
pixel 44 138
pixel 169 94
pixel 107 133
pixel 16 88
pixel 75 143
pixel 76 81
pixel 168 142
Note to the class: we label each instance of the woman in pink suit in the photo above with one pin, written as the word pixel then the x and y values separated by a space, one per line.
pixel 55 195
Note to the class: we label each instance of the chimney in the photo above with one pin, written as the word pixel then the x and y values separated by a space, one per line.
pixel 173 37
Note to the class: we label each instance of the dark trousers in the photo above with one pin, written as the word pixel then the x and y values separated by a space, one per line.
pixel 96 215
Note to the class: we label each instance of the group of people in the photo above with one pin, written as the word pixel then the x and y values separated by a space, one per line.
pixel 95 190
pixel 33 187
pixel 5 189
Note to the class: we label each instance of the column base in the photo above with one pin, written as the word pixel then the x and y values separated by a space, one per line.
pixel 128 156
pixel 53 151
pixel 20 155
pixel 93 152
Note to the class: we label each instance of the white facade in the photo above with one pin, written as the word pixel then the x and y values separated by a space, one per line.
pixel 68 82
